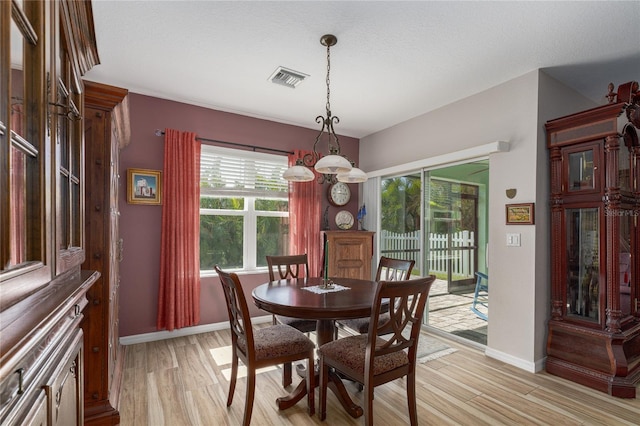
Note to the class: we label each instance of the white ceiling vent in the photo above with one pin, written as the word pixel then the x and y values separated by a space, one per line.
pixel 286 77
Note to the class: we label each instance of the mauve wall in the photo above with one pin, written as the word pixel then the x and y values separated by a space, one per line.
pixel 140 224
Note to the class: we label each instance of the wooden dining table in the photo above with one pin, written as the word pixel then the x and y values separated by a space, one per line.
pixel 295 298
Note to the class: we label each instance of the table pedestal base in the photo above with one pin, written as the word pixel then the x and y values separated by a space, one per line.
pixel 335 384
pixel 325 331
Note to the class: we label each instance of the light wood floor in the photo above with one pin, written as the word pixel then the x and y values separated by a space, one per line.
pixel 178 382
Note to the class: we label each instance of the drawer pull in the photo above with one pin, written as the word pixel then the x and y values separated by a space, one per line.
pixel 76 310
pixel 20 372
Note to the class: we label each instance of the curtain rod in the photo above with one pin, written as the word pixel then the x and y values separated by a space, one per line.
pixel 253 147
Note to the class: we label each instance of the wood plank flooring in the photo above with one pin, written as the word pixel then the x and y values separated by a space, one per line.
pixel 184 381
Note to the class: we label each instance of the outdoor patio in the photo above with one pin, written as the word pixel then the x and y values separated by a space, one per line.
pixel 452 313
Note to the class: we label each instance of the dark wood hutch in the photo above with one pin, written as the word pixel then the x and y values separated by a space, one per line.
pixel 46 46
pixel 106 131
pixel 594 330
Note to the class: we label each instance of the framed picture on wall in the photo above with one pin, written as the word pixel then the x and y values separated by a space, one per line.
pixel 144 186
pixel 520 214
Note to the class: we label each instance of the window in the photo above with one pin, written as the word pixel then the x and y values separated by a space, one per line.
pixel 244 208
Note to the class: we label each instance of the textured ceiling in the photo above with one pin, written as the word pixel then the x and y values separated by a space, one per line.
pixel 393 61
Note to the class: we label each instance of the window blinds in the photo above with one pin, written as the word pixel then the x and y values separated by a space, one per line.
pixel 236 173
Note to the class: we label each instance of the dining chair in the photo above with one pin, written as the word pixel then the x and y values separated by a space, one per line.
pixel 389 269
pixel 263 347
pixel 288 267
pixel 373 360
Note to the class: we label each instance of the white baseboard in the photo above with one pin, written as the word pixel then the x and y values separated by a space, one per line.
pixel 187 331
pixel 531 367
pixel 534 367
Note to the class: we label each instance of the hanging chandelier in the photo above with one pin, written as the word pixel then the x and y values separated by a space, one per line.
pixel 334 166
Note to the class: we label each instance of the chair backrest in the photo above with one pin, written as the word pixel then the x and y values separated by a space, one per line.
pixel 294 266
pixel 407 301
pixel 239 318
pixel 483 281
pixel 394 269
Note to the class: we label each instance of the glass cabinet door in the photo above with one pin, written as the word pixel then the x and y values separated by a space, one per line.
pixel 624 168
pixel 626 226
pixel 581 170
pixel 583 263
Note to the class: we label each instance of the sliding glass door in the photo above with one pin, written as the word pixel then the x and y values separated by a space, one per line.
pixel 438 217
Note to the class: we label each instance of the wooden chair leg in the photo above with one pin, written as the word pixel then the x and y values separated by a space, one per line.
pixel 411 398
pixel 232 380
pixel 251 389
pixel 368 405
pixel 286 374
pixel 311 397
pixel 324 378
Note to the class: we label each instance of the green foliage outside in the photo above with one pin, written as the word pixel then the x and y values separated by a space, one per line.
pixel 273 238
pixel 221 237
pixel 400 210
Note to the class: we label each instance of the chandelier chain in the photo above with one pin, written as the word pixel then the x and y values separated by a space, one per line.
pixel 328 80
pixel 333 167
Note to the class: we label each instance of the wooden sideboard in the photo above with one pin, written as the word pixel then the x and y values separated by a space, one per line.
pixel 350 253
pixel 41 372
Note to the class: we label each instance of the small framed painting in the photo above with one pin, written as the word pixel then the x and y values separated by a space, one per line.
pixel 520 214
pixel 144 186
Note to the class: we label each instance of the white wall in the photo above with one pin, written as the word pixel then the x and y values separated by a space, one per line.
pixel 519 276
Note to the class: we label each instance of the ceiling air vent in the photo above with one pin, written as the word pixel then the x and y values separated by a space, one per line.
pixel 286 77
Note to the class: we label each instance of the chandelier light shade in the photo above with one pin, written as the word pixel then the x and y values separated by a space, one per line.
pixel 355 175
pixel 298 173
pixel 334 166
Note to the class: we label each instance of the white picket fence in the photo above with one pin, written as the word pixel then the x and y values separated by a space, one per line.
pixel 457 248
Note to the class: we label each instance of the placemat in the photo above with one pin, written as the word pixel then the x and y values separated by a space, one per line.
pixel 319 290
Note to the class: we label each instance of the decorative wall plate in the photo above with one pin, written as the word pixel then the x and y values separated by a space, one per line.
pixel 344 220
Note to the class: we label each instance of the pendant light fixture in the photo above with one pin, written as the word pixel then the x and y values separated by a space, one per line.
pixel 334 166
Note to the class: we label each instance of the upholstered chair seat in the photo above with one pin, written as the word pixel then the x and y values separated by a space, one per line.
pixel 361 325
pixel 277 341
pixel 305 326
pixel 351 351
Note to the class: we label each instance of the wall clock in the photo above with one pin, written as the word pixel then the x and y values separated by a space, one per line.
pixel 344 220
pixel 339 194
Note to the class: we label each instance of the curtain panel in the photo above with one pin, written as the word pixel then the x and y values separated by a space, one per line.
pixel 179 292
pixel 305 205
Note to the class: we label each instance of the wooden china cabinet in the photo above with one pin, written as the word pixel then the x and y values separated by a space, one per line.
pixel 45 48
pixel 106 130
pixel 594 330
pixel 350 253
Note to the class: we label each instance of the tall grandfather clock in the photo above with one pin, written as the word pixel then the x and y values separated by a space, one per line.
pixel 594 330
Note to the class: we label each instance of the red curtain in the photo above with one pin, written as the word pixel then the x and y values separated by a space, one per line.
pixel 179 295
pixel 305 205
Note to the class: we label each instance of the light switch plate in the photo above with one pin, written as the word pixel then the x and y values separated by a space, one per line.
pixel 513 240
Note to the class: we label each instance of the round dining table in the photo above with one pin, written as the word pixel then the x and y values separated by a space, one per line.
pixel 307 299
